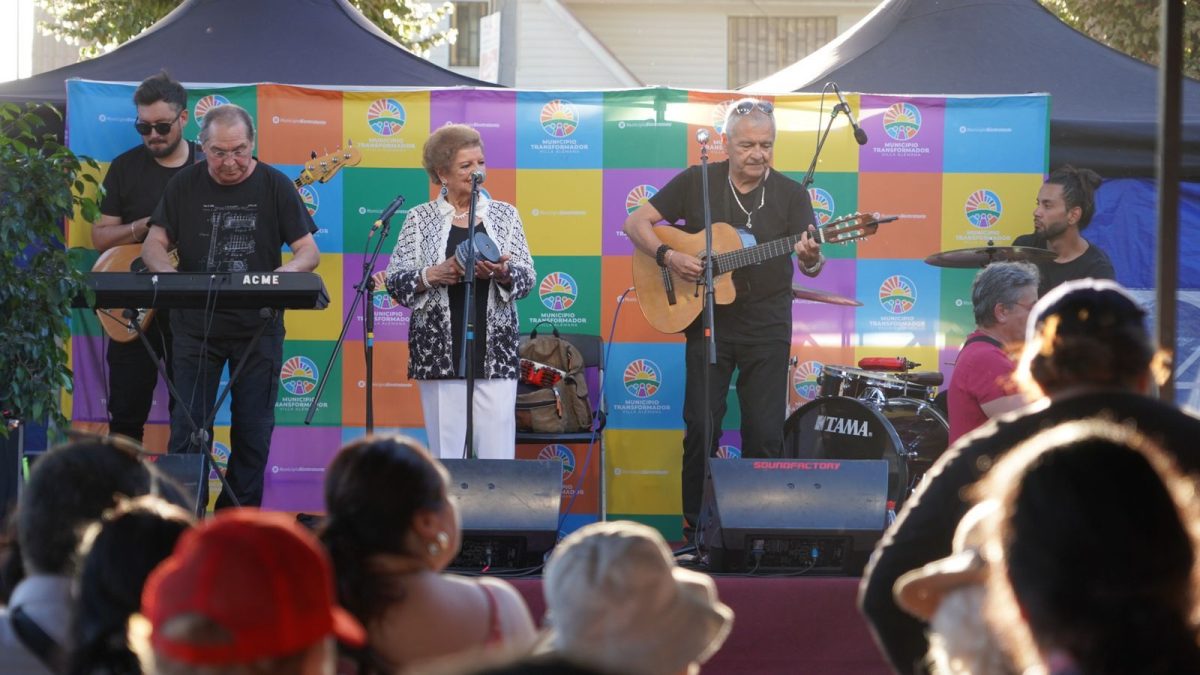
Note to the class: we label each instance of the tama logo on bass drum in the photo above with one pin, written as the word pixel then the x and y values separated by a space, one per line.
pixel 842 425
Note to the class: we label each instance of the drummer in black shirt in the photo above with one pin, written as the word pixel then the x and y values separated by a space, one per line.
pixel 1065 205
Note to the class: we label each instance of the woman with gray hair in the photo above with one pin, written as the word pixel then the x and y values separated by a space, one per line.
pixel 425 276
pixel 981 387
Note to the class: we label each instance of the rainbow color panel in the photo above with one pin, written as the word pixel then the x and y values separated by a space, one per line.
pixel 957 172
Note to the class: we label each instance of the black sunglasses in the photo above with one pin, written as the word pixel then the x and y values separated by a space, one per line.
pixel 163 128
pixel 744 107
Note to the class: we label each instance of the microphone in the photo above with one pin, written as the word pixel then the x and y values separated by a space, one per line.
pixel 702 136
pixel 887 363
pixel 388 213
pixel 859 134
pixel 477 177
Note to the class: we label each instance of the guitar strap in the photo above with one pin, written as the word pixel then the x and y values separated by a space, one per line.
pixel 985 338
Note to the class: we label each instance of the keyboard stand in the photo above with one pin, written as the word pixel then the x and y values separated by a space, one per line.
pixel 198 438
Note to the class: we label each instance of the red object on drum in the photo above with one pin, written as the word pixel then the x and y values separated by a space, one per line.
pixel 887 363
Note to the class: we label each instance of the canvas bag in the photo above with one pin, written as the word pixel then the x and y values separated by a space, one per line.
pixel 563 408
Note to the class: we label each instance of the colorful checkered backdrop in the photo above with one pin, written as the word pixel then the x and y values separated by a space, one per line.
pixel 959 171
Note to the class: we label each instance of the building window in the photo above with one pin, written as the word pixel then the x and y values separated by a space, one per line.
pixel 760 46
pixel 465 50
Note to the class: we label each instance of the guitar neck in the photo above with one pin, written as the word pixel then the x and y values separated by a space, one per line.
pixel 836 231
pixel 752 255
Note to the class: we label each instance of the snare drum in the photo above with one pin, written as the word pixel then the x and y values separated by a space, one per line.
pixel 909 433
pixel 858 383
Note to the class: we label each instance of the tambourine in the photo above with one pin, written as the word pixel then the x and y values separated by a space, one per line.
pixel 539 374
pixel 485 249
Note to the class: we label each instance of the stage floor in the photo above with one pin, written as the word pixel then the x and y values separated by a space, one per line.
pixel 782 625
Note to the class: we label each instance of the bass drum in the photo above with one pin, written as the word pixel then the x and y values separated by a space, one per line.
pixel 908 433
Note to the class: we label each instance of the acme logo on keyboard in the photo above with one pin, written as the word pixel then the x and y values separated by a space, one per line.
pixel 260 280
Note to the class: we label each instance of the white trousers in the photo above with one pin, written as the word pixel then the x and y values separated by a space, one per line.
pixel 445 406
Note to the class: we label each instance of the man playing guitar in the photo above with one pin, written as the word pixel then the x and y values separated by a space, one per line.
pixel 132 187
pixel 754 331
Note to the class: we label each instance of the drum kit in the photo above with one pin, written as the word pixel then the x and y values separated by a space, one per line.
pixel 861 413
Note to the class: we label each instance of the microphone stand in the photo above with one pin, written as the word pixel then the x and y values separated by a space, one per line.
pixel 466 363
pixel 808 176
pixel 363 289
pixel 710 338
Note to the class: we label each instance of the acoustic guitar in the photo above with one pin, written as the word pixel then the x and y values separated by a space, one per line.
pixel 670 304
pixel 128 257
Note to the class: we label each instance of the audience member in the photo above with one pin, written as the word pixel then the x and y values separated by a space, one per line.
pixel 118 554
pixel 616 600
pixel 245 592
pixel 392 531
pixel 69 487
pixel 949 594
pixel 1094 553
pixel 1086 353
pixel 981 387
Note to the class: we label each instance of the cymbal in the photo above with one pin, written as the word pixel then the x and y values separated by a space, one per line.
pixel 985 255
pixel 817 295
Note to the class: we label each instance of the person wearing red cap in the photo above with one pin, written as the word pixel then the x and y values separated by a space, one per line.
pixel 247 591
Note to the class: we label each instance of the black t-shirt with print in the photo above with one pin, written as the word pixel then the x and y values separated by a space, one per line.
pixel 230 228
pixel 762 310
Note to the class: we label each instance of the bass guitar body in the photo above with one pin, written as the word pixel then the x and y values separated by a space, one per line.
pixel 124 258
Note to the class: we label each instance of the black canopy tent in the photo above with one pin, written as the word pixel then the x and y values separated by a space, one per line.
pixel 1103 109
pixel 302 42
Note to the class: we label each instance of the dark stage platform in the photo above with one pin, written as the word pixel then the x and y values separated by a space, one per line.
pixel 782 625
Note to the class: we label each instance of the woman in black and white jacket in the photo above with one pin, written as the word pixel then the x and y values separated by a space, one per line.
pixel 424 276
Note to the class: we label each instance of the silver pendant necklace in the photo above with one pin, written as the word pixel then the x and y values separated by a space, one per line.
pixel 761 200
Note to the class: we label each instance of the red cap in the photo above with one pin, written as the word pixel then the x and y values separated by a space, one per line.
pixel 259 576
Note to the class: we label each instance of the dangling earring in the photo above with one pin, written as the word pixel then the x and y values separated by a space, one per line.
pixel 443 188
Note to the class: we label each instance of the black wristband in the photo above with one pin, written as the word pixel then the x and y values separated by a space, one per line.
pixel 660 256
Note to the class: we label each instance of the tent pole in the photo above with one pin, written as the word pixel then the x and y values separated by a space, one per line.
pixel 1170 86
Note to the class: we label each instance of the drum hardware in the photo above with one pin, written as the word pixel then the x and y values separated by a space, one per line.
pixel 966 258
pixel 817 295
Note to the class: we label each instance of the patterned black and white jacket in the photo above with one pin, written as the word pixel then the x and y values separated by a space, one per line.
pixel 422 243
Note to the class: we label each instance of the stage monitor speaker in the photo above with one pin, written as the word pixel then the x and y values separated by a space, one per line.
pixel 187 470
pixel 509 510
pixel 816 517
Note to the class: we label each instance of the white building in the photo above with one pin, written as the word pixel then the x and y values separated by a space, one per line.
pixel 597 44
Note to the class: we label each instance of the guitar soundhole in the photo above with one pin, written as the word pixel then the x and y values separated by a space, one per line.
pixel 137 265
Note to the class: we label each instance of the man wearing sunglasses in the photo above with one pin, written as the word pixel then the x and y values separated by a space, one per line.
pixel 232 213
pixel 753 334
pixel 132 187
